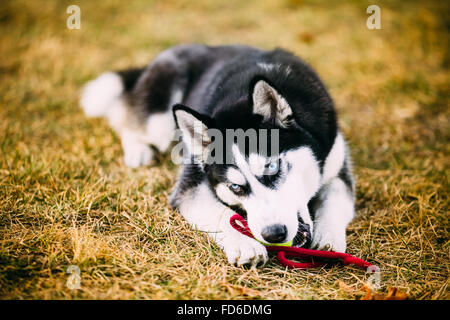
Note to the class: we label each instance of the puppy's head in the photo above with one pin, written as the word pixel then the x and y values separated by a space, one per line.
pixel 258 161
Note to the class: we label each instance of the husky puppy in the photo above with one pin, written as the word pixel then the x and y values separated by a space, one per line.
pixel 304 193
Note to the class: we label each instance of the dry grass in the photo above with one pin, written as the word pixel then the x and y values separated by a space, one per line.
pixel 66 198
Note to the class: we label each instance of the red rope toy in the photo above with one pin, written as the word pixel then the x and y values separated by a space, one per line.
pixel 285 252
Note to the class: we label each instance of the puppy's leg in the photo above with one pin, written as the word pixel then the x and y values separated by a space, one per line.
pixel 108 96
pixel 137 104
pixel 136 151
pixel 334 212
pixel 157 131
pixel 200 208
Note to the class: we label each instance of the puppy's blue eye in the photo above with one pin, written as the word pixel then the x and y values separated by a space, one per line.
pixel 273 167
pixel 235 188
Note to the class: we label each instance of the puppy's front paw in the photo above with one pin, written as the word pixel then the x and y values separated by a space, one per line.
pixel 329 239
pixel 137 154
pixel 242 251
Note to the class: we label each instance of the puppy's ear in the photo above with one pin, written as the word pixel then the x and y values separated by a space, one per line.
pixel 193 126
pixel 269 103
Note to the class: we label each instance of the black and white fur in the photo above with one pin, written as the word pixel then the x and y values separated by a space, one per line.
pixel 309 200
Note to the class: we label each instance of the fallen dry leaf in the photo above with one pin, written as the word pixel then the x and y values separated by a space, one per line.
pixel 345 287
pixel 237 290
pixel 395 294
pixel 250 292
pixel 392 294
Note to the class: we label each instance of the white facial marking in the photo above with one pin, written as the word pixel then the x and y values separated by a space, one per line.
pixel 266 206
pixel 200 200
pixel 235 176
pixel 261 165
pixel 257 164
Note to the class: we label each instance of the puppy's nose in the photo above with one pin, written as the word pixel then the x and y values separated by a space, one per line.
pixel 275 233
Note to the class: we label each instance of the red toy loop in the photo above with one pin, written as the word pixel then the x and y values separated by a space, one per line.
pixel 285 252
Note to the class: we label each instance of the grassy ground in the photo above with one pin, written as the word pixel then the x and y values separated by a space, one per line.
pixel 67 199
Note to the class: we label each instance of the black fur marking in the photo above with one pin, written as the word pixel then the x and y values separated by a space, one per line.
pixel 237 209
pixel 153 92
pixel 313 205
pixel 130 77
pixel 346 176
